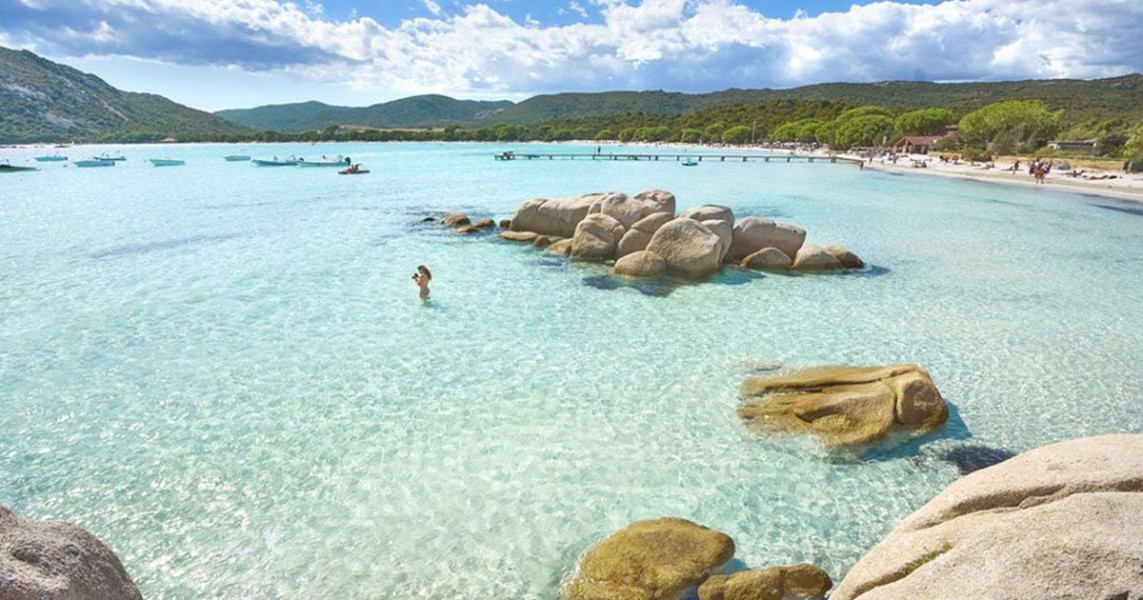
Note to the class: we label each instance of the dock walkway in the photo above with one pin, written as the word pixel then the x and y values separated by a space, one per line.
pixel 654 156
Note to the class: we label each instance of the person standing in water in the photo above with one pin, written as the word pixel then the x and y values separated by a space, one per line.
pixel 423 276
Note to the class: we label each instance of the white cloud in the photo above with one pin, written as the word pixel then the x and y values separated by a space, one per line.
pixel 685 45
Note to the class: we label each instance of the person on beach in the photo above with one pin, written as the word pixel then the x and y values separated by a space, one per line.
pixel 423 276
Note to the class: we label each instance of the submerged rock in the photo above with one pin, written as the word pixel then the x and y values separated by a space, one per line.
pixel 55 560
pixel 804 581
pixel 974 458
pixel 640 264
pixel 1061 521
pixel 843 405
pixel 661 558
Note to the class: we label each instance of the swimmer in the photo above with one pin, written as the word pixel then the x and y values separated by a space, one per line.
pixel 423 276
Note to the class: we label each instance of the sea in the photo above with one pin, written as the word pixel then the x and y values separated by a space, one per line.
pixel 224 371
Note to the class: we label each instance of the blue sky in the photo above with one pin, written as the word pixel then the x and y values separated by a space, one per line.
pixel 214 54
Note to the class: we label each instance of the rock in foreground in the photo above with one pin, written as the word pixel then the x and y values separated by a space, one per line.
pixel 54 560
pixel 845 405
pixel 1062 521
pixel 804 582
pixel 649 559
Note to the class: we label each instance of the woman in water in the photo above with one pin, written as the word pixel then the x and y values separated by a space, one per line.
pixel 423 276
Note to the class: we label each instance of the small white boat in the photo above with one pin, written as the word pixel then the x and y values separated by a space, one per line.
pixel 106 156
pixel 236 158
pixel 167 162
pixel 275 162
pixel 94 162
pixel 7 167
pixel 51 158
pixel 690 162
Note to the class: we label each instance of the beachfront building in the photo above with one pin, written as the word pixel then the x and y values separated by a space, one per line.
pixel 916 144
pixel 1087 146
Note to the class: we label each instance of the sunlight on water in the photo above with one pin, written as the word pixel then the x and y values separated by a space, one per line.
pixel 224 372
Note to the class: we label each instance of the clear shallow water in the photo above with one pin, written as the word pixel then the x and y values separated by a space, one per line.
pixel 224 371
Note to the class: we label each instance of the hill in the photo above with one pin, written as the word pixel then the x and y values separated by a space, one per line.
pixel 415 112
pixel 43 101
pixel 1101 99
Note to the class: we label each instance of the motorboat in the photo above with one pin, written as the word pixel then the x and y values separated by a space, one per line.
pixel 354 169
pixel 94 162
pixel 7 167
pixel 51 158
pixel 236 158
pixel 167 162
pixel 106 156
pixel 690 162
pixel 275 162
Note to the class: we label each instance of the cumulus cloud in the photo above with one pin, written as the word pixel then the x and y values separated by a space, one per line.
pixel 682 45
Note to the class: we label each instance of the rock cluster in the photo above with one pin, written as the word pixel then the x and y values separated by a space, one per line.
pixel 54 560
pixel 845 406
pixel 663 558
pixel 1061 521
pixel 645 238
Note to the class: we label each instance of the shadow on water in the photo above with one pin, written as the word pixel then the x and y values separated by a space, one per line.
pixel 953 429
pixel 1131 210
pixel 664 286
pixel 131 249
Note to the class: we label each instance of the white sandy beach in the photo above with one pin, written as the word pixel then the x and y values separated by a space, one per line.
pixel 1119 185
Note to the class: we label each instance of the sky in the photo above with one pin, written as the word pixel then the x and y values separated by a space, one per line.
pixel 217 54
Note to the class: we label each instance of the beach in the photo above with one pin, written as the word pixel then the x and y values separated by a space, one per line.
pixel 1112 184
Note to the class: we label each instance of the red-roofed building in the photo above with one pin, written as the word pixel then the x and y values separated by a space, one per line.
pixel 916 144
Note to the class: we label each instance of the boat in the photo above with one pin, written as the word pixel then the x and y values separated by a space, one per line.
pixel 106 156
pixel 167 162
pixel 324 162
pixel 51 158
pixel 275 162
pixel 236 158
pixel 690 162
pixel 94 162
pixel 355 169
pixel 7 167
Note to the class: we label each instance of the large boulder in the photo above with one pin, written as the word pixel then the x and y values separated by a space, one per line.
pixel 803 581
pixel 596 238
pixel 55 560
pixel 755 233
pixel 639 234
pixel 654 559
pixel 707 212
pixel 815 258
pixel 640 264
pixel 556 217
pixel 845 406
pixel 689 247
pixel 1061 521
pixel 629 209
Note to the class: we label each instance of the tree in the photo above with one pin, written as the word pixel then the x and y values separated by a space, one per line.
pixel 736 135
pixel 867 130
pixel 1010 126
pixel 926 121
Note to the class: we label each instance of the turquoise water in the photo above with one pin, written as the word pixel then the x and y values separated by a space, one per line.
pixel 225 373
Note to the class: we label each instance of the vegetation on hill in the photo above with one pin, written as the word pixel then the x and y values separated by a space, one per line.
pixel 416 112
pixel 42 101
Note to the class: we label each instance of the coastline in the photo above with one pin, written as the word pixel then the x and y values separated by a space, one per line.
pixel 1125 187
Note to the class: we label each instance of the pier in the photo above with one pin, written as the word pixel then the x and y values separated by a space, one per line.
pixel 655 156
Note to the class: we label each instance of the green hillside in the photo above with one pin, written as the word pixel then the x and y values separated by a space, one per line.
pixel 415 112
pixel 42 101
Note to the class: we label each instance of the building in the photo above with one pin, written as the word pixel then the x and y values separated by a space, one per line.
pixel 916 144
pixel 1087 146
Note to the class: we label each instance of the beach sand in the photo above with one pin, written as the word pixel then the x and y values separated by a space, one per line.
pixel 1127 187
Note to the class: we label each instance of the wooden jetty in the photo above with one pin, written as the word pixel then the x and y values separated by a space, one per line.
pixel 654 156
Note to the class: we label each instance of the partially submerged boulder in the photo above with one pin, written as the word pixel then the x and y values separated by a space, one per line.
pixel 55 560
pixel 804 581
pixel 654 559
pixel 707 212
pixel 689 247
pixel 596 238
pixel 552 216
pixel 1061 521
pixel 768 259
pixel 629 209
pixel 815 258
pixel 755 233
pixel 844 405
pixel 640 264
